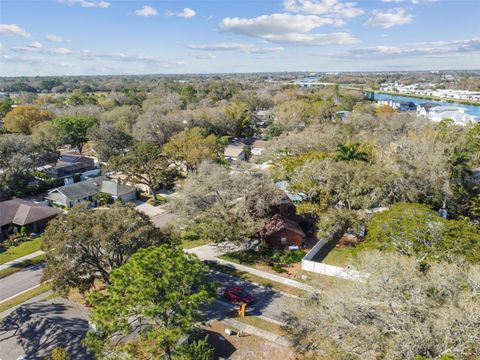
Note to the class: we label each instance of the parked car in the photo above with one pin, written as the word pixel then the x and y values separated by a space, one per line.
pixel 238 295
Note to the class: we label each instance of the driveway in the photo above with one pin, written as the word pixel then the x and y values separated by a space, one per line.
pixel 148 209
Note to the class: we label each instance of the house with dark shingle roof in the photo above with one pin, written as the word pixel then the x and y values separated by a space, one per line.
pixel 69 195
pixel 281 231
pixel 18 213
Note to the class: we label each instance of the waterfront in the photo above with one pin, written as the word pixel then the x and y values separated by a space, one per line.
pixel 469 109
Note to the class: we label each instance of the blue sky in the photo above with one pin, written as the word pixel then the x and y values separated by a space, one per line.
pixel 86 37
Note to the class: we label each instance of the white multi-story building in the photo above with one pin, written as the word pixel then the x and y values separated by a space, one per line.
pixel 438 113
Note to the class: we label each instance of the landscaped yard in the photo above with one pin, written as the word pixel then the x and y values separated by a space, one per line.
pixel 256 279
pixel 23 265
pixel 341 256
pixel 276 260
pixel 15 252
pixel 188 244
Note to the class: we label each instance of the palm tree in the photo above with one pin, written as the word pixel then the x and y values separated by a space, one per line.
pixel 351 152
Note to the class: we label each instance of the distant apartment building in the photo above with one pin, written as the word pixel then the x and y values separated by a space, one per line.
pixel 439 113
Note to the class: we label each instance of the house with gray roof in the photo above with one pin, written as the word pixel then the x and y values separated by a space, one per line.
pixel 69 195
pixel 18 213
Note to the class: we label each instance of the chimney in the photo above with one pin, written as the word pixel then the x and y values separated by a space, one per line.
pixel 284 208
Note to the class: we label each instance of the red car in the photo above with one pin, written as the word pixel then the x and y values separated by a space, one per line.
pixel 238 295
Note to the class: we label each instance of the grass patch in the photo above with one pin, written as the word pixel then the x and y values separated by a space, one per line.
pixel 188 244
pixel 262 324
pixel 15 252
pixel 320 282
pixel 23 265
pixel 25 296
pixel 342 256
pixel 277 260
pixel 256 279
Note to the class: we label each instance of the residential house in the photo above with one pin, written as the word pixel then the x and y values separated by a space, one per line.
pixel 295 197
pixel 281 231
pixel 235 150
pixel 399 105
pixel 257 146
pixel 263 117
pixel 70 164
pixel 424 108
pixel 69 195
pixel 18 213
pixel 457 114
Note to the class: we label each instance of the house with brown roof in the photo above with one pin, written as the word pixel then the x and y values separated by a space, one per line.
pixel 281 230
pixel 18 213
pixel 235 150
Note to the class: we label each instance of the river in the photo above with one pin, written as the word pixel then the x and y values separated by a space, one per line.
pixel 469 109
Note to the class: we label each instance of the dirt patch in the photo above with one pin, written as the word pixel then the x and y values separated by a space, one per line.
pixel 247 347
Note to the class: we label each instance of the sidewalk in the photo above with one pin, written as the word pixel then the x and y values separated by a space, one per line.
pixel 277 339
pixel 22 259
pixel 210 252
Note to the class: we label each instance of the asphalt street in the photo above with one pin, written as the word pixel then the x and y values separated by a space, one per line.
pixel 20 281
pixel 268 303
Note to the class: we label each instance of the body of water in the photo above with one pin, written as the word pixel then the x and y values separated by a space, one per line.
pixel 469 109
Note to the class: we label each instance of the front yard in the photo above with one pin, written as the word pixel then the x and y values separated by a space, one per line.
pixel 279 261
pixel 15 252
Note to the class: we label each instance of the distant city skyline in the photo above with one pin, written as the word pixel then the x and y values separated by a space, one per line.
pixel 111 37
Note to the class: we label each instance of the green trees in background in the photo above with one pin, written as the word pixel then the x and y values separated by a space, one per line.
pixel 74 129
pixel 145 164
pixel 24 118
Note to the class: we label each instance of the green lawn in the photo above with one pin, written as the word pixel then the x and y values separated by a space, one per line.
pixel 25 296
pixel 23 265
pixel 23 249
pixel 256 279
pixel 261 323
pixel 341 256
pixel 188 244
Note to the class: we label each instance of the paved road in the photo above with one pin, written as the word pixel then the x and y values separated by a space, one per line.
pixel 268 303
pixel 20 281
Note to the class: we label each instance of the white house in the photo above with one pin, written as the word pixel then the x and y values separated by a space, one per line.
pixel 458 115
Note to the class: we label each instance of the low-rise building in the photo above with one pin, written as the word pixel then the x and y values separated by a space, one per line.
pixel 18 213
pixel 257 146
pixel 70 195
pixel 69 165
pixel 235 150
pixel 458 115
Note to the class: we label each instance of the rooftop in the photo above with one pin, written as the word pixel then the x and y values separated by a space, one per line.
pixel 21 212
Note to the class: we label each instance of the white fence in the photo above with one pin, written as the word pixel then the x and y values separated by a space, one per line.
pixel 324 269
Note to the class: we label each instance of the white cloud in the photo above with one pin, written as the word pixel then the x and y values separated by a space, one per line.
pixel 54 38
pixel 333 8
pixel 287 28
pixel 187 13
pixel 425 49
pixel 205 56
pixel 247 48
pixel 146 11
pixel 13 30
pixel 390 18
pixel 412 1
pixel 87 3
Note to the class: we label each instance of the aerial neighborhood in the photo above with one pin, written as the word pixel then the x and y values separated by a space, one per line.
pixel 230 180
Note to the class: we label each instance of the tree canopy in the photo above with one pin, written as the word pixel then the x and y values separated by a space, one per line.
pixel 152 300
pixel 74 129
pixel 86 245
pixel 145 164
pixel 191 147
pixel 24 118
pixel 400 311
pixel 415 229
